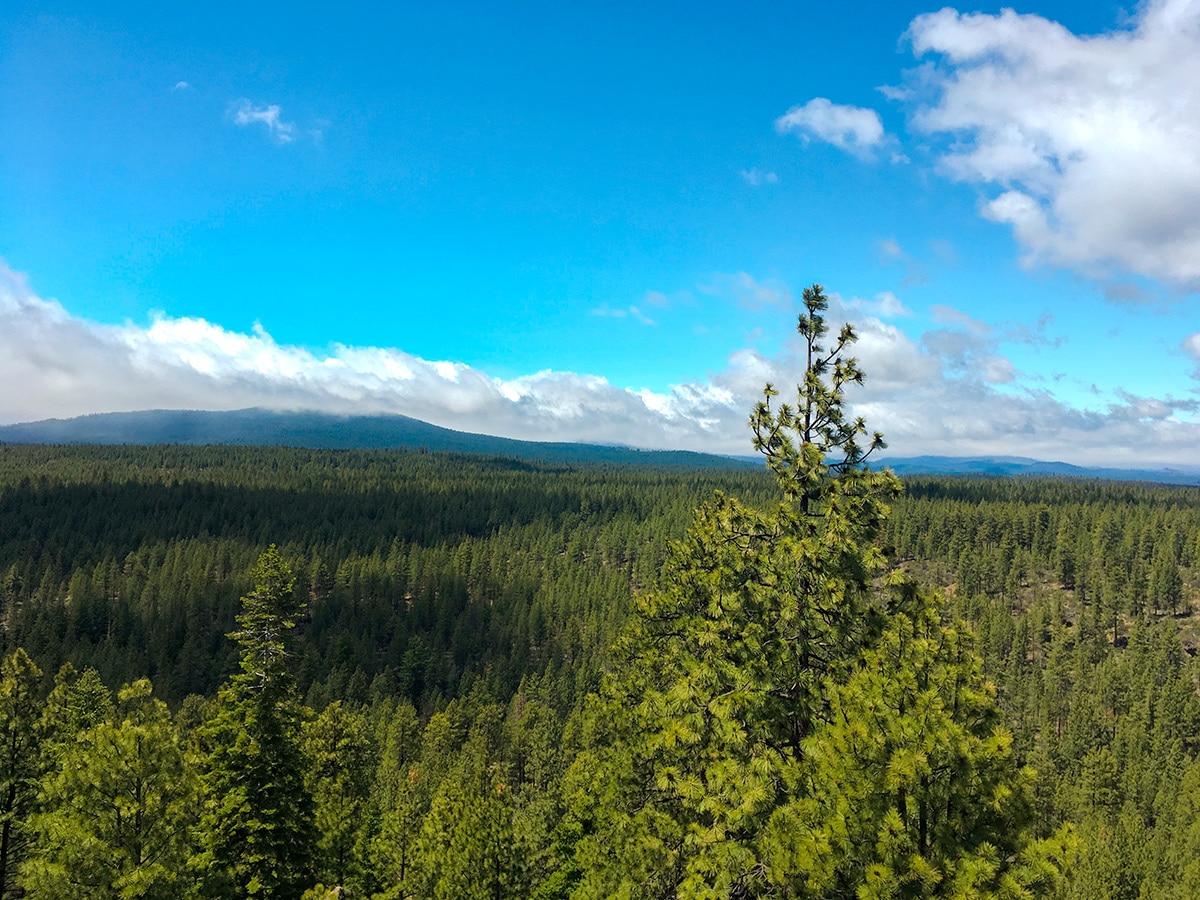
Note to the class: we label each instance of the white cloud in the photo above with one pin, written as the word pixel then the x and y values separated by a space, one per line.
pixel 948 315
pixel 757 177
pixel 886 305
pixel 641 316
pixel 1090 141
pixel 1134 408
pixel 950 392
pixel 271 116
pixel 181 86
pixel 1191 346
pixel 851 128
pixel 1127 293
pixel 608 312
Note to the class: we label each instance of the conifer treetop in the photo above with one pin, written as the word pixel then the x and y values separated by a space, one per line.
pixel 807 443
pixel 268 612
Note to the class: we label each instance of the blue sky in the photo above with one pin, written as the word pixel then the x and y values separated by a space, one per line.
pixel 593 221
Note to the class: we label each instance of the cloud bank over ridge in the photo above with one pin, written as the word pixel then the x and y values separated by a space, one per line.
pixel 951 392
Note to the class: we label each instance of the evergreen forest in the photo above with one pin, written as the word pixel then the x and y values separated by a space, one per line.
pixel 282 673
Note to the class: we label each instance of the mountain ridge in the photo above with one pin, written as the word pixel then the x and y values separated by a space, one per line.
pixel 333 431
pixel 1018 466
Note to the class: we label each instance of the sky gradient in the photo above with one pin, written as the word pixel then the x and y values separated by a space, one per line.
pixel 594 221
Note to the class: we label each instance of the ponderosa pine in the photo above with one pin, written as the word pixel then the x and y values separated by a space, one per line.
pixel 117 809
pixel 774 636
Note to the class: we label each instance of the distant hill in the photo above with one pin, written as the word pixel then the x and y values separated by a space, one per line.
pixel 260 427
pixel 1019 465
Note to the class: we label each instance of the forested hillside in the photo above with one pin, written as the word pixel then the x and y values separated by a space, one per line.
pixel 459 608
pixel 420 569
pixel 461 677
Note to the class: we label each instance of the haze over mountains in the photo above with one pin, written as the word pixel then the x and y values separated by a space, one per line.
pixel 260 427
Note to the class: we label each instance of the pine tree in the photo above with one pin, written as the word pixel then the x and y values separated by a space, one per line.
pixel 467 849
pixel 1166 584
pixel 20 760
pixel 909 789
pixel 78 701
pixel 397 796
pixel 727 663
pixel 339 752
pixel 258 820
pixel 118 809
pixel 706 744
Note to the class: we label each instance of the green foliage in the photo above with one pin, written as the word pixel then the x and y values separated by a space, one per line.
pixel 21 761
pixel 258 818
pixel 78 702
pixel 777 727
pixel 1175 872
pixel 269 612
pixel 466 847
pixel 422 572
pixel 339 753
pixel 117 810
pixel 909 788
pixel 399 795
pixel 804 444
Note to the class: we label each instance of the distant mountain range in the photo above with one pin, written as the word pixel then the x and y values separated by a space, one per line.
pixel 261 427
pixel 1019 465
pixel 250 427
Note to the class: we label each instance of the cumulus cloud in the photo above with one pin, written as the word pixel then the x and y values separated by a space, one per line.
pixel 972 348
pixel 72 367
pixel 949 392
pixel 1090 141
pixel 851 128
pixel 1191 346
pixel 271 116
pixel 1135 408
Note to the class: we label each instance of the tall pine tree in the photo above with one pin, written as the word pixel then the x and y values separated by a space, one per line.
pixel 710 736
pixel 258 824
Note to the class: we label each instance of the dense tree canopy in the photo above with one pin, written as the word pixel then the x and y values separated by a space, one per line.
pixel 118 809
pixel 517 680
